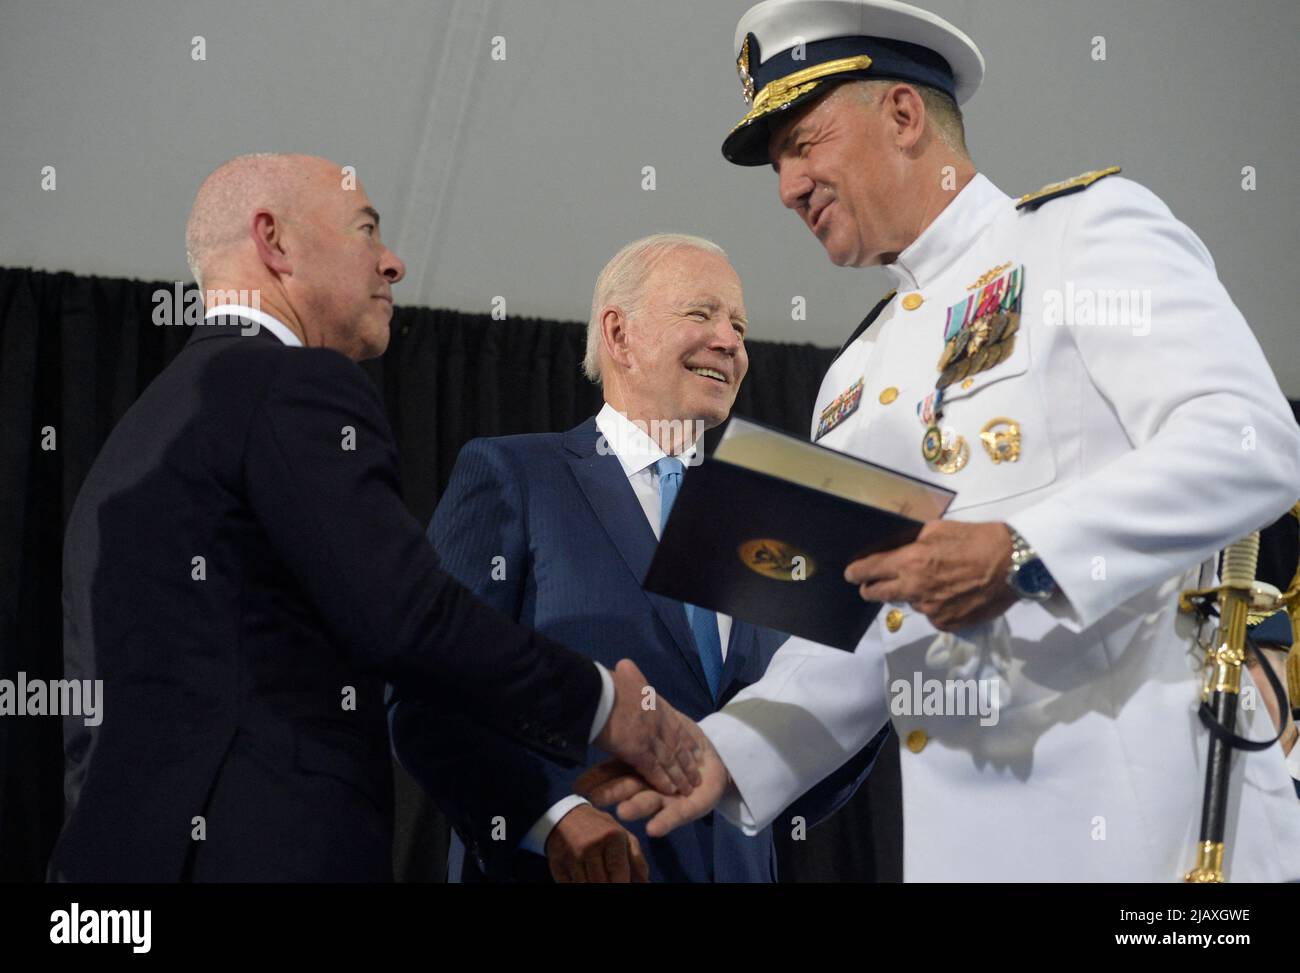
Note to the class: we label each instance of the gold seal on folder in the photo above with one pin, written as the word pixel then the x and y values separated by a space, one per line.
pixel 776 559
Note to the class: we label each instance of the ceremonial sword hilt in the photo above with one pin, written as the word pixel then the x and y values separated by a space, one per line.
pixel 1235 597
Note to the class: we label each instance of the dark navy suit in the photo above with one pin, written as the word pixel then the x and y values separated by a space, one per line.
pixel 227 679
pixel 548 530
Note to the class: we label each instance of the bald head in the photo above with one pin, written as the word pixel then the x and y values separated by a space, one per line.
pixel 225 203
pixel 301 237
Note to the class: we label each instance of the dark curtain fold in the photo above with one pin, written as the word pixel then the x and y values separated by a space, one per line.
pixel 76 351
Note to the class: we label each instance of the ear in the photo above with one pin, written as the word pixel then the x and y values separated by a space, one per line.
pixel 616 335
pixel 268 236
pixel 906 114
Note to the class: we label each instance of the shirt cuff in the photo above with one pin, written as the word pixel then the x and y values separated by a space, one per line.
pixel 606 705
pixel 535 840
pixel 738 745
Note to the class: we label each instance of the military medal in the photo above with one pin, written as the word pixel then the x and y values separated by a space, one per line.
pixel 980 329
pixel 954 454
pixel 931 444
pixel 949 350
pixel 929 411
pixel 998 326
pixel 979 333
pixel 1000 352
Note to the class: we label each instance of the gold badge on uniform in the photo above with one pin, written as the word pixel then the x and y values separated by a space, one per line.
pixel 841 407
pixel 742 68
pixel 931 444
pixel 988 276
pixel 953 454
pixel 1001 444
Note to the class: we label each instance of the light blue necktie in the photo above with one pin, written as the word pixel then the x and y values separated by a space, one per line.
pixel 703 622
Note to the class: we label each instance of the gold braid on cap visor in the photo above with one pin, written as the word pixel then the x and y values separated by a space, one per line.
pixel 779 93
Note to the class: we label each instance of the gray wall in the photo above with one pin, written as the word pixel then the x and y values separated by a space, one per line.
pixel 520 177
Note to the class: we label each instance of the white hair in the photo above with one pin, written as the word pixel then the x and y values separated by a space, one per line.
pixel 622 282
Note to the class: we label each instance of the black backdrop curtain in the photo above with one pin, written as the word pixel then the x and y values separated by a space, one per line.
pixel 76 351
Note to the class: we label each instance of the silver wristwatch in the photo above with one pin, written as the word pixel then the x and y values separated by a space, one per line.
pixel 1028 577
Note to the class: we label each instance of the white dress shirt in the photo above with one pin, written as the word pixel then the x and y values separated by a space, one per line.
pixel 260 318
pixel 287 337
pixel 637 453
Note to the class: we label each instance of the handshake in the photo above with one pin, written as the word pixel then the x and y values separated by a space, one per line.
pixel 663 766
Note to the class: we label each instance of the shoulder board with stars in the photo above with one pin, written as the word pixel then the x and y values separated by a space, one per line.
pixel 1076 185
pixel 866 323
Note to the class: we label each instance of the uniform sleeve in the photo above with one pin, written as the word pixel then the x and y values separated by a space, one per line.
pixel 1215 448
pixel 813 710
pixel 321 475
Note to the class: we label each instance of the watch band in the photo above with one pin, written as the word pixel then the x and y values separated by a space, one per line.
pixel 1028 577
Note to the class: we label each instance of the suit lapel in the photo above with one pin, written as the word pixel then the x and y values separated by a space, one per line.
pixel 605 485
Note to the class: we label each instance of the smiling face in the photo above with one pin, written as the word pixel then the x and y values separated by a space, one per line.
pixel 680 354
pixel 344 276
pixel 841 163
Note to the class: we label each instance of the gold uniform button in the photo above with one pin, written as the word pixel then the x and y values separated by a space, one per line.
pixel 968 383
pixel 888 395
pixel 894 620
pixel 916 741
pixel 912 301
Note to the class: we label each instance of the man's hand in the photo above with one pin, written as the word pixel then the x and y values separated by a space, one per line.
pixel 955 574
pixel 613 782
pixel 590 846
pixel 649 735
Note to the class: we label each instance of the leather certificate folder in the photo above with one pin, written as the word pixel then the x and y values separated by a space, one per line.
pixel 764 527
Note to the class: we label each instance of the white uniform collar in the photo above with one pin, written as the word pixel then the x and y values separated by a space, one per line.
pixel 949 237
pixel 273 325
pixel 633 447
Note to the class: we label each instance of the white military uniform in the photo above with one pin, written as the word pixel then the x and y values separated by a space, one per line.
pixel 1144 449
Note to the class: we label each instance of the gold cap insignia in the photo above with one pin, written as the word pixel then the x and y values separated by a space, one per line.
pixel 776 559
pixel 742 68
pixel 780 92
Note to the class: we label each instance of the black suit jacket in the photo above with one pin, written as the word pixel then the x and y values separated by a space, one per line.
pixel 241 572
